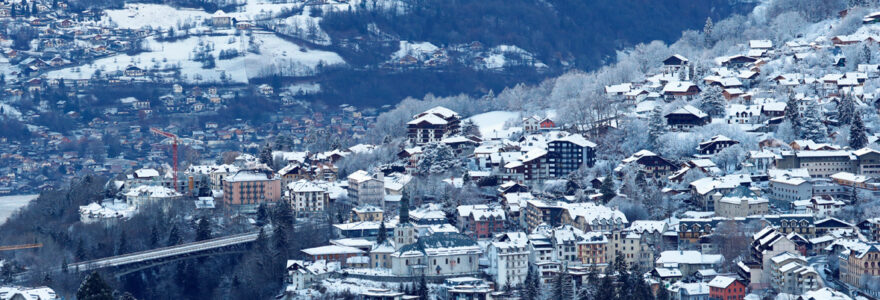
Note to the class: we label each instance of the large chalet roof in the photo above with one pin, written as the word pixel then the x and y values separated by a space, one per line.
pixel 428 118
pixel 678 87
pixel 439 111
pixel 688 110
pixel 675 60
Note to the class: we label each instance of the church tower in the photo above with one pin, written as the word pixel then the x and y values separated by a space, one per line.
pixel 404 232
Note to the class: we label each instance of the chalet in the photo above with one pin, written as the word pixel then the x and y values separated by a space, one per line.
pixel 686 118
pixel 675 62
pixel 715 145
pixel 680 90
pixel 845 40
pixel 761 44
pixel 732 93
pixel 738 61
pixel 433 125
pixel 220 19
pixel 133 71
pixel 649 163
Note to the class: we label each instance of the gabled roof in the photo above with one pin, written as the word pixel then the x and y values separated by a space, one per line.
pixel 688 110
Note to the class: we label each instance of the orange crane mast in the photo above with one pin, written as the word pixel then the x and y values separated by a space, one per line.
pixel 174 140
pixel 19 247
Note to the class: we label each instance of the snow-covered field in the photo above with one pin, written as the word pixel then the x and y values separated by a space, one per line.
pixel 275 55
pixel 11 204
pixel 491 124
pixel 136 16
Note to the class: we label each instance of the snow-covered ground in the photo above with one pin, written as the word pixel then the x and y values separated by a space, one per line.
pixel 11 204
pixel 136 16
pixel 491 124
pixel 275 55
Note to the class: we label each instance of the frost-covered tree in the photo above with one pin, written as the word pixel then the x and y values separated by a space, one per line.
pixel 812 127
pixel 532 285
pixel 858 138
pixel 657 126
pixel 607 189
pixel 437 159
pixel 845 110
pixel 712 102
pixel 707 29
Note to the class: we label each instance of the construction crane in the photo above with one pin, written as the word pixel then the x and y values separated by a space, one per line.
pixel 19 247
pixel 174 140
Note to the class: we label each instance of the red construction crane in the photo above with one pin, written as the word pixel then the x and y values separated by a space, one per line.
pixel 174 140
pixel 19 247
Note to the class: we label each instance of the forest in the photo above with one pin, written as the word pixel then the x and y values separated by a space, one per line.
pixel 53 220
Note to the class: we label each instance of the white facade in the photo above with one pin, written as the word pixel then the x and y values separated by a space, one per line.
pixel 508 259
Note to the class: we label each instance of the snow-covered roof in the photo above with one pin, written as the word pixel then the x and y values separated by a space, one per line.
pixel 439 111
pixel 721 282
pixel 677 87
pixel 305 186
pixel 689 110
pixel 430 119
pixel 760 44
pixel 689 257
pixel 332 249
pixel 146 173
pixel 576 139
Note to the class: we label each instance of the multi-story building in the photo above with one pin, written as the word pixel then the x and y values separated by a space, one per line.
pixel 366 213
pixel 247 189
pixel 819 163
pixel 439 254
pixel 433 125
pixel 589 217
pixel 533 166
pixel 592 250
pixel 508 258
pixel 539 212
pixel 481 221
pixel 790 274
pixel 790 187
pixel 689 261
pixel 569 153
pixel 366 189
pixel 859 264
pixel 632 247
pixel 307 198
pixel 726 288
pixel 741 202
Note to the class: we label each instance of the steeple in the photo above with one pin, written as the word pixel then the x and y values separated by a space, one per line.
pixel 404 210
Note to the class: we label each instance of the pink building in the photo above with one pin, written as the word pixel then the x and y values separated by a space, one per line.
pixel 251 187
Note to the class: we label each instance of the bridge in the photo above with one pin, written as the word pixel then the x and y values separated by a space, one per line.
pixel 133 262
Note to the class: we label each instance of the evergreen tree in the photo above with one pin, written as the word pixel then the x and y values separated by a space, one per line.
pixel 812 127
pixel 262 215
pixel 712 102
pixel 607 189
pixel 122 246
pixel 845 110
pixel 203 229
pixel 605 290
pixel 866 54
pixel 266 156
pixel 94 288
pixel 173 236
pixel 792 114
pixel 34 10
pixel 562 287
pixel 282 222
pixel 532 289
pixel 858 138
pixel 422 290
pixel 383 233
pixel 154 236
pixel 657 127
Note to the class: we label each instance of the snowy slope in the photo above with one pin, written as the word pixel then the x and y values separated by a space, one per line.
pixel 275 55
pixel 491 124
